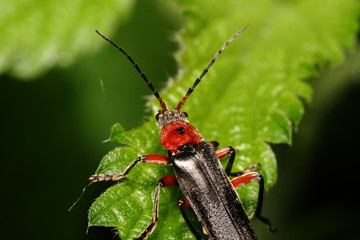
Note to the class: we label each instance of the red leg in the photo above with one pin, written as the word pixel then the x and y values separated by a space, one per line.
pixel 151 158
pixel 163 182
pixel 252 168
pixel 214 143
pixel 248 178
pixel 206 232
pixel 183 203
pixel 245 178
pixel 226 151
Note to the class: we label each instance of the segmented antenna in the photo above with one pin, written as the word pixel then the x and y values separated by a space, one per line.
pixel 197 81
pixel 142 74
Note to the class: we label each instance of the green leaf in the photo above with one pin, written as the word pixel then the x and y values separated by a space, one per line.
pixel 44 34
pixel 252 96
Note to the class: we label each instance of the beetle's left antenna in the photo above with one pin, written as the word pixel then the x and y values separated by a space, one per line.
pixel 142 74
pixel 197 81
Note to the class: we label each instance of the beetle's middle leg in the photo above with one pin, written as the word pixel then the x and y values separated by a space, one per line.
pixel 250 177
pixel 183 203
pixel 243 177
pixel 163 182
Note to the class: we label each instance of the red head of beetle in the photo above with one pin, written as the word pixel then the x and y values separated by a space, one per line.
pixel 176 130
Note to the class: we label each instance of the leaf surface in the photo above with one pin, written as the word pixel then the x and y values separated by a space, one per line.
pixel 38 35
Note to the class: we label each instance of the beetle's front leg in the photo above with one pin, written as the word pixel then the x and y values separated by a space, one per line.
pixel 226 151
pixel 151 158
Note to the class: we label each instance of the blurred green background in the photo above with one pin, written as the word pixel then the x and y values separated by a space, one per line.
pixel 54 124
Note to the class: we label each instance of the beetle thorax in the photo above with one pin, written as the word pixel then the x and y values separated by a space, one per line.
pixel 176 130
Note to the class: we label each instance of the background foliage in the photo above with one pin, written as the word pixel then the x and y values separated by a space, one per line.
pixel 53 127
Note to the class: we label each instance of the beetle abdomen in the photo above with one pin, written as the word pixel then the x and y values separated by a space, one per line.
pixel 210 192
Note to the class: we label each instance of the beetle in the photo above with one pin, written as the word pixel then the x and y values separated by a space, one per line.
pixel 208 190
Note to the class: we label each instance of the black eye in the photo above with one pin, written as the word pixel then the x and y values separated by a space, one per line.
pixel 181 130
pixel 186 115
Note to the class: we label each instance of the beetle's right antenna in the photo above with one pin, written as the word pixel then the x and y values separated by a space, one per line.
pixel 142 74
pixel 197 81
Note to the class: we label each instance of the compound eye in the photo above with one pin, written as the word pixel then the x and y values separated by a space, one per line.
pixel 185 113
pixel 180 130
pixel 157 116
